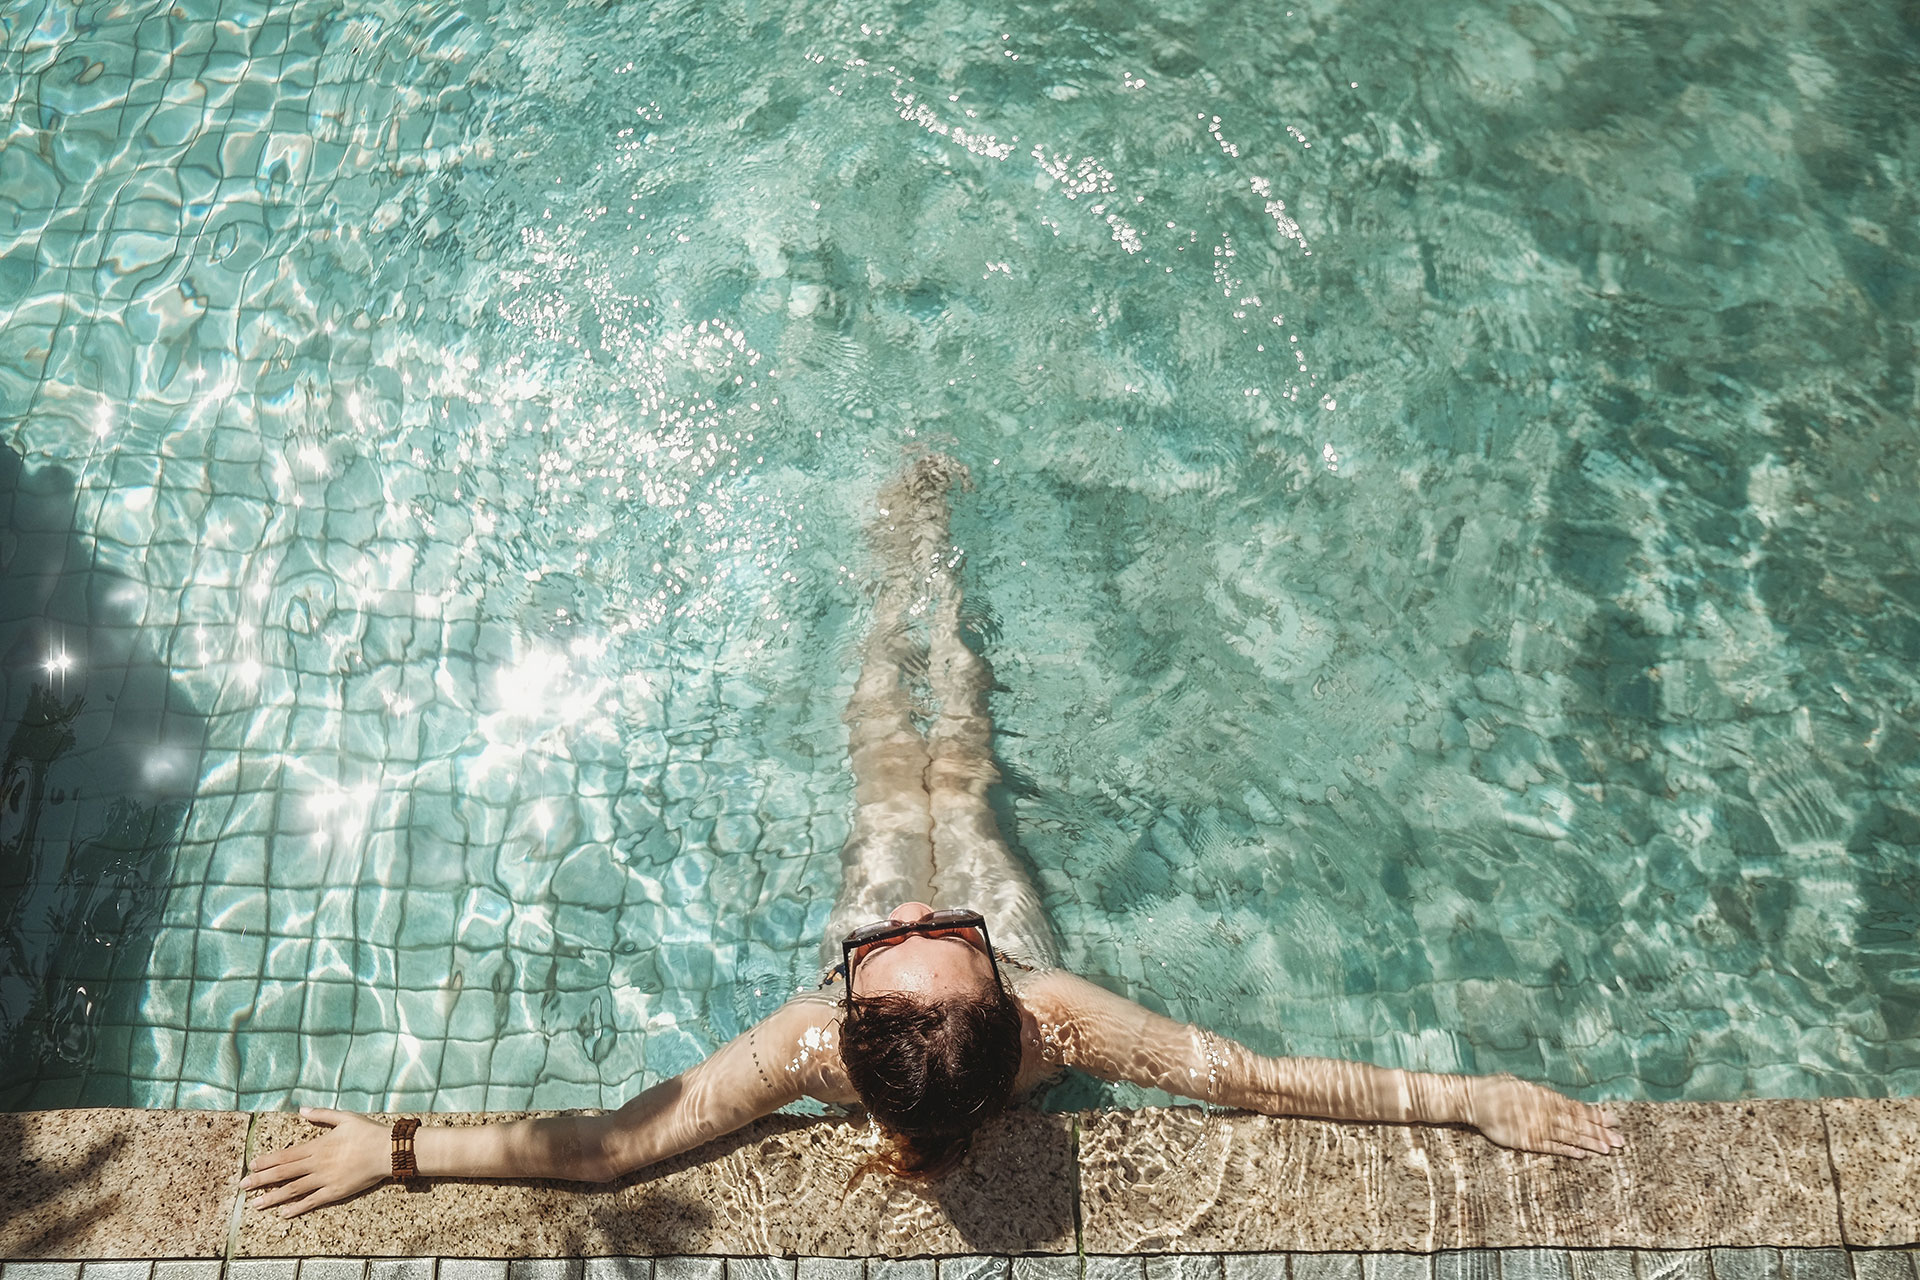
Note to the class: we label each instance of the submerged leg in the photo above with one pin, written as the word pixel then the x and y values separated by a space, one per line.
pixel 972 866
pixel 888 857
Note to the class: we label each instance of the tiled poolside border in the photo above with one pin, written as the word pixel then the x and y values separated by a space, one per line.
pixel 1472 1264
pixel 1823 1190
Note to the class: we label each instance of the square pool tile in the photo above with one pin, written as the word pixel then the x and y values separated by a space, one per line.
pixel 618 1269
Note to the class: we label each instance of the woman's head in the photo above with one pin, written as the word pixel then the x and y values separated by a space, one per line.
pixel 930 1040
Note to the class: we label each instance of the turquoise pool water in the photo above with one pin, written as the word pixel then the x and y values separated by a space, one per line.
pixel 1445 524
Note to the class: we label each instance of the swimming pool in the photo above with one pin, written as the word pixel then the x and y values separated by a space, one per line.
pixel 1444 524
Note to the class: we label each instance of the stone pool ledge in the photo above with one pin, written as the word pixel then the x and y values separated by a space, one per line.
pixel 101 1185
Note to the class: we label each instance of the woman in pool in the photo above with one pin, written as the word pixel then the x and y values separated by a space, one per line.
pixel 932 1020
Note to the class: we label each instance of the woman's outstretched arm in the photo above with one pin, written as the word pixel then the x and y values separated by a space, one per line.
pixel 1086 1026
pixel 789 1054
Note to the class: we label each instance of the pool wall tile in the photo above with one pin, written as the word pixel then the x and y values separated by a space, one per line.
pixel 1815 1264
pixel 901 1269
pixel 545 1269
pixel 1396 1266
pixel 199 1269
pixel 973 1267
pixel 1100 1267
pixel 1328 1266
pixel 268 1269
pixel 72 1184
pixel 616 1269
pixel 1534 1264
pixel 1190 1266
pixel 1175 1178
pixel 472 1269
pixel 1466 1264
pixel 41 1271
pixel 1744 1264
pixel 1883 1264
pixel 1601 1264
pixel 830 1269
pixel 1256 1266
pixel 333 1269
pixel 384 1269
pixel 764 1268
pixel 1876 1162
pixel 1033 1268
pixel 126 1271
pixel 1672 1264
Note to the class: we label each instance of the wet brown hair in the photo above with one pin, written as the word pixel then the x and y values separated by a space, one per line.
pixel 931 1072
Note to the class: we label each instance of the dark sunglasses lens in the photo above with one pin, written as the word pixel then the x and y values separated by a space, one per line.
pixel 950 919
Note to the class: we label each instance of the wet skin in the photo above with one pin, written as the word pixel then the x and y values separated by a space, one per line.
pixel 1066 1022
pixel 918 796
pixel 931 967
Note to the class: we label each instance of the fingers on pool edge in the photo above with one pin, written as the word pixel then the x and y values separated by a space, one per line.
pixel 270 1197
pixel 1603 1143
pixel 265 1161
pixel 323 1194
pixel 324 1115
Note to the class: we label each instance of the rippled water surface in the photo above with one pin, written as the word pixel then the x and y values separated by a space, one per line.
pixel 1444 522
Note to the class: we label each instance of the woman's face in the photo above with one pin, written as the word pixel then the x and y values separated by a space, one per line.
pixel 930 968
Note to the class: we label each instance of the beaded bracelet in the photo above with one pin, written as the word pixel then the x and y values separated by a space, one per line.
pixel 404 1168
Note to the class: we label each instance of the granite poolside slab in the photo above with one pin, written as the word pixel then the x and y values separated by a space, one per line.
pixel 781 1186
pixel 1692 1175
pixel 1876 1165
pixel 1753 1177
pixel 118 1184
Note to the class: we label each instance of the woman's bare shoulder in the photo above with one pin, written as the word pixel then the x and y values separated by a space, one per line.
pixel 1074 1022
pixel 1048 1000
pixel 805 1031
pixel 1053 995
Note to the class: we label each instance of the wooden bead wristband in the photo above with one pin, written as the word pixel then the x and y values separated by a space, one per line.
pixel 404 1168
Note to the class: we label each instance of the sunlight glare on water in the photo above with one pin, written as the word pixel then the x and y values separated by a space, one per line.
pixel 1437 525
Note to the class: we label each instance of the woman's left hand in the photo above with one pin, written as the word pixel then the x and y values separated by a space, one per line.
pixel 352 1155
pixel 1528 1117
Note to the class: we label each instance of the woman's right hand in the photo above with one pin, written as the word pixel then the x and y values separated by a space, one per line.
pixel 1530 1117
pixel 352 1155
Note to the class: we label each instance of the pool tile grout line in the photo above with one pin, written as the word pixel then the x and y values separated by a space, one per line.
pixel 240 1192
pixel 1074 1185
pixel 1875 1151
pixel 1833 1175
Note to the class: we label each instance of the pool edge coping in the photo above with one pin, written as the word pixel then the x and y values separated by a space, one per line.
pixel 1780 1173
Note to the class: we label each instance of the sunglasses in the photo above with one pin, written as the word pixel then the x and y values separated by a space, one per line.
pixel 884 933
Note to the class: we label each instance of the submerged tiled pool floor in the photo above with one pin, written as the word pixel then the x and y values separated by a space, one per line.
pixel 464 644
